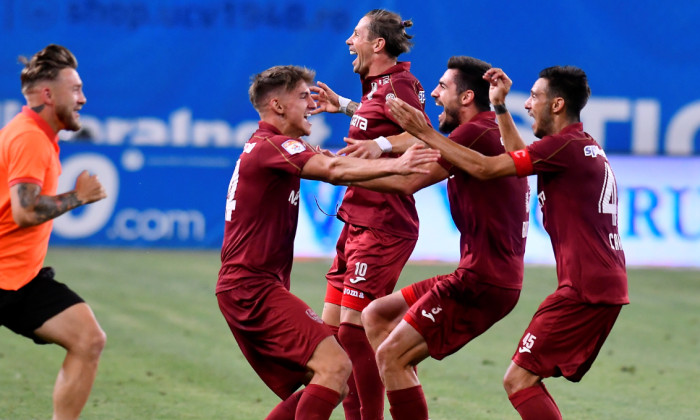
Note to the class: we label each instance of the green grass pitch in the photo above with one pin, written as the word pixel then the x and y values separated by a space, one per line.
pixel 170 355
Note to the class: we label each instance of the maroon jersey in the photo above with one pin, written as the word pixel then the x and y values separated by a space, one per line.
pixel 392 213
pixel 262 208
pixel 577 192
pixel 492 216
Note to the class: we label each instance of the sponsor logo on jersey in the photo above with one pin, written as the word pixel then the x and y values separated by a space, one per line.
pixel 357 279
pixel 421 96
pixel 311 314
pixel 353 293
pixel 593 151
pixel 248 147
pixel 293 146
pixel 359 122
pixel 431 315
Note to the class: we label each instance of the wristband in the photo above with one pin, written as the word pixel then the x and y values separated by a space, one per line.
pixel 344 102
pixel 500 109
pixel 383 144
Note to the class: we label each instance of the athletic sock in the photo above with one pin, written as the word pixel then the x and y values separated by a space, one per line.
pixel 286 409
pixel 317 403
pixel 351 403
pixel 535 403
pixel 364 369
pixel 408 404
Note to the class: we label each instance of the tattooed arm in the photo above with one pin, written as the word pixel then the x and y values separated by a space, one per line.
pixel 30 208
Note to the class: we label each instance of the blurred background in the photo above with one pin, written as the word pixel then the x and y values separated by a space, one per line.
pixel 168 110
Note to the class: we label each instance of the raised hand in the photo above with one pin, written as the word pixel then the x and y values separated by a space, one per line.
pixel 500 85
pixel 408 117
pixel 88 189
pixel 365 149
pixel 326 99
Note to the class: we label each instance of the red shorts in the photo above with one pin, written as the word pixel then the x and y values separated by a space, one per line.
pixel 276 331
pixel 451 310
pixel 564 337
pixel 367 266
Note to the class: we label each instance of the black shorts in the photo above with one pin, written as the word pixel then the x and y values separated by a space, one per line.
pixel 26 309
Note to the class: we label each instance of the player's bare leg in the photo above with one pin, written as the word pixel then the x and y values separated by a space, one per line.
pixel 528 394
pixel 397 356
pixel 76 330
pixel 331 368
pixel 382 316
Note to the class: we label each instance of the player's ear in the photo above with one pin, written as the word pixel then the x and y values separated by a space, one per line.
pixel 558 105
pixel 47 96
pixel 379 44
pixel 276 105
pixel 466 97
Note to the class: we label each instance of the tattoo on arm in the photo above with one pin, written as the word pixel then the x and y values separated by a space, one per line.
pixel 352 107
pixel 44 207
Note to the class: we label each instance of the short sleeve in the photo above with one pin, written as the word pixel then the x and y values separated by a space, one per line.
pixel 287 154
pixel 29 155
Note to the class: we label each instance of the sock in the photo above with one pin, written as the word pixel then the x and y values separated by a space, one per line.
pixel 317 403
pixel 408 404
pixel 369 384
pixel 351 403
pixel 286 409
pixel 535 403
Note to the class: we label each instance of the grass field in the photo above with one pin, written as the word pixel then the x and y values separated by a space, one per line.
pixel 170 355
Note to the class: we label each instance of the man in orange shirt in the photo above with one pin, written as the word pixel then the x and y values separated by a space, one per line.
pixel 32 303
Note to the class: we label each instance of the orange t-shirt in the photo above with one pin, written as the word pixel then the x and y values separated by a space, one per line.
pixel 28 154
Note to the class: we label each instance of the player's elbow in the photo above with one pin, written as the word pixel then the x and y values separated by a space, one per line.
pixel 24 219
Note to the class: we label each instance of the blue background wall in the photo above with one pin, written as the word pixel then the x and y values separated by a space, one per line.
pixel 167 110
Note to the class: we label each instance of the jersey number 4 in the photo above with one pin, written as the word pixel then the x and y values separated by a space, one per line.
pixel 231 195
pixel 608 196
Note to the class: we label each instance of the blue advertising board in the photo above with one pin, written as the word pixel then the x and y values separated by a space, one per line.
pixel 167 105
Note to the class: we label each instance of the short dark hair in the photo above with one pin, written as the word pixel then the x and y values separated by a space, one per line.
pixel 389 26
pixel 275 78
pixel 470 72
pixel 45 65
pixel 570 83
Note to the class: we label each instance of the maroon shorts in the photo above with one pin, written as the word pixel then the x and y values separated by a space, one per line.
pixel 367 265
pixel 564 337
pixel 276 331
pixel 451 310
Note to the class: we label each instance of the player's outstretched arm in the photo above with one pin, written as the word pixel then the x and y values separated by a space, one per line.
pixel 372 149
pixel 344 170
pixel 30 208
pixel 499 87
pixel 476 164
pixel 329 101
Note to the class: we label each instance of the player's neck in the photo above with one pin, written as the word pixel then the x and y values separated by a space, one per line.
pixel 380 64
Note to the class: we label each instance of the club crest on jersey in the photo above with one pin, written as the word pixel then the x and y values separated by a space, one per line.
pixel 390 96
pixel 293 146
pixel 593 151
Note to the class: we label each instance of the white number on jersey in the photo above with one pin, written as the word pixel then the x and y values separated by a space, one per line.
pixel 608 196
pixel 231 195
pixel 294 197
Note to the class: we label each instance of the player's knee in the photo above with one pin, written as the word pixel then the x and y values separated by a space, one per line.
pixel 387 359
pixel 514 382
pixel 371 319
pixel 93 342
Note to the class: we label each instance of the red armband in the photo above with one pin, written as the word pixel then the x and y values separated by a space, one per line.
pixel 523 163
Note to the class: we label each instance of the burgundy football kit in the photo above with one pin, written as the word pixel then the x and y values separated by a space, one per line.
pixel 379 235
pixel 384 220
pixel 577 192
pixel 276 331
pixel 492 218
